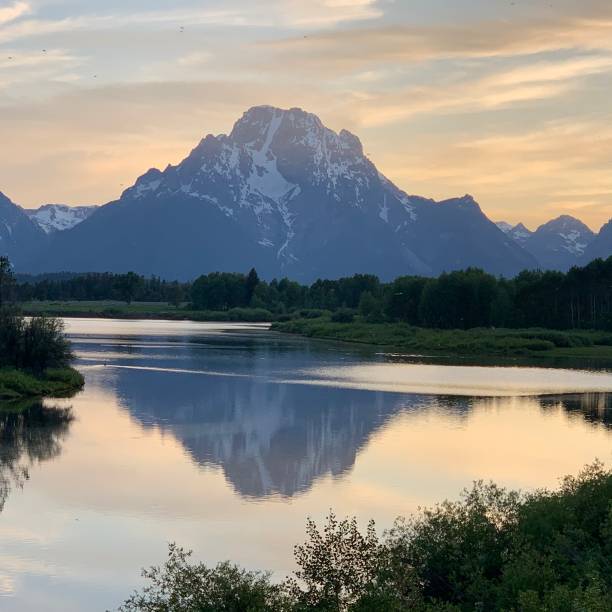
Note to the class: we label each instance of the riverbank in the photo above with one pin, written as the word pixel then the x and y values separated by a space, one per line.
pixel 545 343
pixel 18 384
pixel 144 310
pixel 473 342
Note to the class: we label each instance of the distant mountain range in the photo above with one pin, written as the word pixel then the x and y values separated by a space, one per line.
pixel 289 196
pixel 557 245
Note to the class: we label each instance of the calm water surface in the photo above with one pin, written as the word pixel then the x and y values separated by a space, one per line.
pixel 224 438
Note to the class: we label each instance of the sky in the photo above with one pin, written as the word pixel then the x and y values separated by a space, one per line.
pixel 508 101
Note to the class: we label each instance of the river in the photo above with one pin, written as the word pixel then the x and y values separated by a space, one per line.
pixel 225 437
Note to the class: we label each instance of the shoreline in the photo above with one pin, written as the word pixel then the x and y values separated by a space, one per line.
pixel 106 310
pixel 482 344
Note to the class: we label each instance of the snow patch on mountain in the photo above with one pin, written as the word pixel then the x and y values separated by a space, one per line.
pixel 573 242
pixel 58 217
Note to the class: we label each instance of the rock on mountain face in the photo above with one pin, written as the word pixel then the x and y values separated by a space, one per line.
pixel 18 235
pixel 560 243
pixel 289 196
pixel 58 217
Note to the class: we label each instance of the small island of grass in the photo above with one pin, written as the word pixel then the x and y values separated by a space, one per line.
pixel 54 382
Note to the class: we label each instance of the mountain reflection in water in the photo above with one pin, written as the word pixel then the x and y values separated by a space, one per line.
pixel 277 439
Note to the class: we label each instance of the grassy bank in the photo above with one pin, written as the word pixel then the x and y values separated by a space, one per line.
pixel 18 384
pixel 405 338
pixel 143 310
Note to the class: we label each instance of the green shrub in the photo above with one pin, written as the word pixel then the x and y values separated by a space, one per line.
pixel 35 344
pixel 180 586
pixel 312 313
pixel 343 315
pixel 494 550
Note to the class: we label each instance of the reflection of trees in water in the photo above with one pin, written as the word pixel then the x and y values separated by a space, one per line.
pixel 595 408
pixel 29 435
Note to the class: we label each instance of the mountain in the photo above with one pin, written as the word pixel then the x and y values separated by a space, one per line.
pixel 504 226
pixel 18 234
pixel 519 233
pixel 556 245
pixel 601 245
pixel 289 196
pixel 59 217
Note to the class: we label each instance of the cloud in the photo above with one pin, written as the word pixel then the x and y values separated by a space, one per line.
pixel 326 13
pixel 268 13
pixel 16 10
pixel 529 176
pixel 27 67
pixel 358 48
pixel 502 89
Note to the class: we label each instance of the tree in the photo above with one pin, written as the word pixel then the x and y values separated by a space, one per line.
pixel 128 284
pixel 370 308
pixel 251 282
pixel 337 566
pixel 7 281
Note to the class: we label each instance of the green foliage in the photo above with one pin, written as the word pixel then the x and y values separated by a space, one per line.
pixel 35 344
pixel 478 341
pixel 18 384
pixel 101 286
pixel 34 353
pixel 7 282
pixel 370 308
pixel 218 291
pixel 128 286
pixel 337 566
pixel 494 550
pixel 343 315
pixel 180 586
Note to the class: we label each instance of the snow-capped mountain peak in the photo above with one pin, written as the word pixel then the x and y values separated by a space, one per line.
pixel 59 217
pixel 569 234
pixel 260 174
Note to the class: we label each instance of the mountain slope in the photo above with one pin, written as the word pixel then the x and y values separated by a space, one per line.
pixel 19 236
pixel 59 217
pixel 601 246
pixel 289 196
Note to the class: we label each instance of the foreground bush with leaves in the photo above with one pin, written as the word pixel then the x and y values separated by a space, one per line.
pixel 493 550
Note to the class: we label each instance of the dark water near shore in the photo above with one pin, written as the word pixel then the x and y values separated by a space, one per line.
pixel 224 438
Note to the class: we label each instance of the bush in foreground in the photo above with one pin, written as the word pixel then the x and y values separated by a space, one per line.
pixel 493 550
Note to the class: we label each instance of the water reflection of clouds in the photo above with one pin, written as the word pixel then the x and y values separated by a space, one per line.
pixel 461 380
